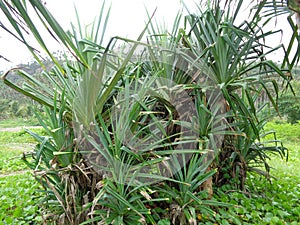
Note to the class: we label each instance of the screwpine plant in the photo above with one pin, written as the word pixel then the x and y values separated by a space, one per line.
pixel 141 137
pixel 235 53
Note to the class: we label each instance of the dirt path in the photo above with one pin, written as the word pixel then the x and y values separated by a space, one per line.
pixel 17 129
pixel 13 173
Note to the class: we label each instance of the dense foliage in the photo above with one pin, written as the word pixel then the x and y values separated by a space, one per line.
pixel 20 193
pixel 275 202
pixel 140 133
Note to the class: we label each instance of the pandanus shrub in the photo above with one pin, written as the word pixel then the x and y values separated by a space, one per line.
pixel 138 137
pixel 235 53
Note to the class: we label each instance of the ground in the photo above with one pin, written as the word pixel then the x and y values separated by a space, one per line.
pixel 275 202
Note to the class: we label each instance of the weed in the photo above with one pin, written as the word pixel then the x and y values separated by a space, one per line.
pixel 19 198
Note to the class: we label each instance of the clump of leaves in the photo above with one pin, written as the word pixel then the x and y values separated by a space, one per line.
pixel 19 199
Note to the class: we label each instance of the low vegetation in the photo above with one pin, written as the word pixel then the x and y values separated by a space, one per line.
pixel 264 202
pixel 14 122
pixel 20 198
pixel 20 193
pixel 276 201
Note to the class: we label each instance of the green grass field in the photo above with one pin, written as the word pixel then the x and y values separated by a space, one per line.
pixel 19 192
pixel 277 202
pixel 17 122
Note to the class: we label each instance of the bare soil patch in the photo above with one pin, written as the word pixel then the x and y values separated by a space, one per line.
pixel 17 129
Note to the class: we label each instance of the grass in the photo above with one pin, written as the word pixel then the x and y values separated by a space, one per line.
pixel 19 200
pixel 19 137
pixel 12 146
pixel 16 122
pixel 19 194
pixel 290 135
pixel 263 203
pixel 267 203
pixel 10 158
pixel 277 202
